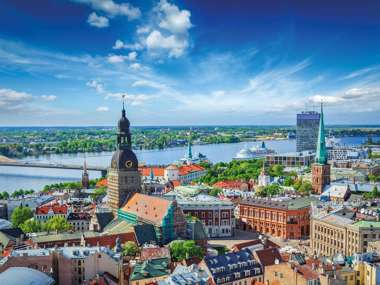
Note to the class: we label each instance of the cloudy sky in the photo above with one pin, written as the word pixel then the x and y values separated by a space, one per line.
pixel 68 62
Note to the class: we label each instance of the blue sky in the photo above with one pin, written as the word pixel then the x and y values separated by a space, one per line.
pixel 188 62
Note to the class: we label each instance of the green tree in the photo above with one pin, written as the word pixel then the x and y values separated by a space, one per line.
pixel 185 249
pixel 57 223
pixel 305 188
pixel 215 192
pixel 31 226
pixel 20 215
pixel 5 195
pixel 98 192
pixel 130 248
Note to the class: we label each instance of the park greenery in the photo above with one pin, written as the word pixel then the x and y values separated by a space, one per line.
pixel 54 224
pixel 99 192
pixel 185 249
pixel 20 215
pixel 75 185
pixel 130 249
pixel 373 194
pixel 21 142
pixel 4 195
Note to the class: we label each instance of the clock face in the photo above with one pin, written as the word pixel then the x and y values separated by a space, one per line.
pixel 128 164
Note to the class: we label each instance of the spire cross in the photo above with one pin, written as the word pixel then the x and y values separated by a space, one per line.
pixel 123 98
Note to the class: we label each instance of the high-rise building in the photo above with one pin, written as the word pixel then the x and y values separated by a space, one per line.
pixel 123 175
pixel 307 131
pixel 320 169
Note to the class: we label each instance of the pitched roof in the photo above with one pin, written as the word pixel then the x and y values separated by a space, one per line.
pixel 24 275
pixel 150 269
pixel 147 207
pixel 56 208
pixel 186 169
pixel 104 218
pixel 268 256
pixel 157 171
pixel 154 252
pixel 228 184
pixel 145 233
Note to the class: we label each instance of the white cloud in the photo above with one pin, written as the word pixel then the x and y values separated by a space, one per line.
pixel 112 58
pixel 173 19
pixel 119 44
pixel 148 83
pixel 135 66
pixel 102 109
pixel 112 8
pixel 132 99
pixel 143 30
pixel 48 98
pixel 98 86
pixel 97 21
pixel 175 45
pixel 360 72
pixel 325 99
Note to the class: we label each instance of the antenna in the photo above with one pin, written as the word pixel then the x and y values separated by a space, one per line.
pixel 123 98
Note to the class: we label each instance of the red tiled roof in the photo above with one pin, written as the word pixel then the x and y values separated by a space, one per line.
pixel 307 272
pixel 186 169
pixel 176 183
pixel 268 256
pixel 101 183
pixel 56 208
pixel 157 171
pixel 147 207
pixel 155 252
pixel 234 184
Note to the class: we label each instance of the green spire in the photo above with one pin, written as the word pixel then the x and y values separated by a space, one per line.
pixel 189 151
pixel 321 155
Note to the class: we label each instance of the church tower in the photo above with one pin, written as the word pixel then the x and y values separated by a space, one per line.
pixel 85 177
pixel 123 175
pixel 320 169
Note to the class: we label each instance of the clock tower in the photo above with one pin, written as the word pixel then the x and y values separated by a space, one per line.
pixel 123 176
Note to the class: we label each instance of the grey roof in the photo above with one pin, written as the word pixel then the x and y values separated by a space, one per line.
pixel 24 276
pixel 285 204
pixel 145 234
pixel 104 218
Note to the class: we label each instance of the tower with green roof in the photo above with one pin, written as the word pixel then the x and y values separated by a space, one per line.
pixel 320 168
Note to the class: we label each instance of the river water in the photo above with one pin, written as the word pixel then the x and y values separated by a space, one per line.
pixel 13 178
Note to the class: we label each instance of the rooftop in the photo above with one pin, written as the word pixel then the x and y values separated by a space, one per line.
pixel 367 224
pixel 286 204
pixel 24 276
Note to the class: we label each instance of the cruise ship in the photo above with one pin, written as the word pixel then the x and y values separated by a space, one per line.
pixel 258 151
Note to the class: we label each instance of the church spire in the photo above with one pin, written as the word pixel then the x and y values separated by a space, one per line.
pixel 321 155
pixel 124 134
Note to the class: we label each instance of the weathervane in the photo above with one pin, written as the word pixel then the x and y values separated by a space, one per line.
pixel 123 98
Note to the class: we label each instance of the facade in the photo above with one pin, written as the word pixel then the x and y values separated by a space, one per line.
pixel 291 159
pixel 307 131
pixel 166 217
pixel 288 219
pixel 233 268
pixel 79 222
pixel 123 175
pixel 77 264
pixel 320 170
pixel 184 173
pixel 337 233
pixel 216 215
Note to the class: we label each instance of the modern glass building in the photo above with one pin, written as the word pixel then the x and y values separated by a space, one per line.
pixel 307 131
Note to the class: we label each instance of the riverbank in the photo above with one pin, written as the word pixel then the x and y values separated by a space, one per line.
pixel 5 159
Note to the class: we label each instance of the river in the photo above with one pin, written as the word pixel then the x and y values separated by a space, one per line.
pixel 13 178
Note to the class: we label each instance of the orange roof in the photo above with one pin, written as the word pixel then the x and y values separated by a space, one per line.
pixel 149 208
pixel 157 171
pixel 56 208
pixel 186 169
pixel 176 183
pixel 101 183
pixel 228 184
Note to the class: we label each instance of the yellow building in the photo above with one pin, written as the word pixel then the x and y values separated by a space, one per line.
pixel 335 233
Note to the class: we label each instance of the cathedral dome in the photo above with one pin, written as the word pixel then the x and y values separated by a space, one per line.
pixel 124 159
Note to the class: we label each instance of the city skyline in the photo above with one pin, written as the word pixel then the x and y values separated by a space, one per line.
pixel 69 62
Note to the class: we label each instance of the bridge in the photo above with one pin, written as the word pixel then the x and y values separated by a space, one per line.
pixel 103 170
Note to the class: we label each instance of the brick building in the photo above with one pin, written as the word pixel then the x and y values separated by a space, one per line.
pixel 289 219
